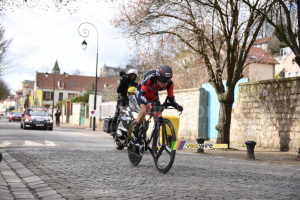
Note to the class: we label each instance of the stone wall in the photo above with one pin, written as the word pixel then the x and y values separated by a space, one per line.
pixel 268 112
pixel 188 123
pixel 189 99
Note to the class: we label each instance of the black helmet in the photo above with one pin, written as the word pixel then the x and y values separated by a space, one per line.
pixel 164 73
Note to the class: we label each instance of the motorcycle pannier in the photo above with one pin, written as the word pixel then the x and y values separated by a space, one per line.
pixel 107 125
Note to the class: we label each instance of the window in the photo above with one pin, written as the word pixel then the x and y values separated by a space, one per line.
pixel 289 74
pixel 73 83
pixel 296 73
pixel 38 113
pixel 48 96
pixel 60 84
pixel 61 96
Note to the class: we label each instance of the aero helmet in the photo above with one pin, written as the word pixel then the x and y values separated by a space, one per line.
pixel 164 73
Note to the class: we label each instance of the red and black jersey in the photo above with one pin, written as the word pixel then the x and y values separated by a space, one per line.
pixel 147 89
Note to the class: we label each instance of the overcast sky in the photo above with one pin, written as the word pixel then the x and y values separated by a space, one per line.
pixel 42 37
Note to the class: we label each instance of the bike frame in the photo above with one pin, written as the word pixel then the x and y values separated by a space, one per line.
pixel 154 129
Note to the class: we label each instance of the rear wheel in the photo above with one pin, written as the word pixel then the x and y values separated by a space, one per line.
pixel 50 129
pixel 162 146
pixel 133 151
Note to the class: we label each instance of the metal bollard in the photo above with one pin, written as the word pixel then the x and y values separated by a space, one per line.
pixel 250 149
pixel 0 157
pixel 200 141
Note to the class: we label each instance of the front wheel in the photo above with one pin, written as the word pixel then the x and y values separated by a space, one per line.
pixel 163 154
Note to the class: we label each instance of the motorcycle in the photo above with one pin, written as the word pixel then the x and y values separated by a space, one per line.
pixel 125 118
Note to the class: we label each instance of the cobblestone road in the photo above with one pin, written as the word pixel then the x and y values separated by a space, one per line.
pixel 105 173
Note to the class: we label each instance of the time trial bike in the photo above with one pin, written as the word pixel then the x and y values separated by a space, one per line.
pixel 159 143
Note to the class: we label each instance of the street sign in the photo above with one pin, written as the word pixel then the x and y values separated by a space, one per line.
pixel 94 113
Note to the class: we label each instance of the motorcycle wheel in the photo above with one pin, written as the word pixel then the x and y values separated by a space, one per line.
pixel 118 144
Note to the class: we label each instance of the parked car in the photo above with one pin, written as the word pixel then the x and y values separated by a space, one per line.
pixel 15 116
pixel 2 114
pixel 36 118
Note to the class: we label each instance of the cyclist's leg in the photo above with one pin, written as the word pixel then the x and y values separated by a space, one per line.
pixel 156 105
pixel 140 117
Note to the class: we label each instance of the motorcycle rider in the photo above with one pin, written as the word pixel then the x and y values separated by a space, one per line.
pixel 126 81
pixel 147 94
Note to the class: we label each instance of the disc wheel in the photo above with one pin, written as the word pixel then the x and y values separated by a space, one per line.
pixel 161 148
pixel 133 152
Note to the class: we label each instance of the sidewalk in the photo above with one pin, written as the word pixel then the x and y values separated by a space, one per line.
pixel 71 126
pixel 261 155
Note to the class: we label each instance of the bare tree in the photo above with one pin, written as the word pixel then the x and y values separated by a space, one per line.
pixel 220 32
pixel 284 17
pixel 57 5
pixel 72 6
pixel 77 72
pixel 109 93
pixel 4 44
pixel 4 90
pixel 189 70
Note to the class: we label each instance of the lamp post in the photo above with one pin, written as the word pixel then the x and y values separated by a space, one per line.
pixel 46 75
pixel 84 34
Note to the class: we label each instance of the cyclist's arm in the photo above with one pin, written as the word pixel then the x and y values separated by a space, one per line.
pixel 170 89
pixel 144 89
pixel 171 97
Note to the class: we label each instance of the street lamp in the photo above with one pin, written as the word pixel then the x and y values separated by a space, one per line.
pixel 46 75
pixel 84 34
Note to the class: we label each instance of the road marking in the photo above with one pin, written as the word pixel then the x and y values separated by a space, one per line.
pixel 5 144
pixel 30 143
pixel 49 143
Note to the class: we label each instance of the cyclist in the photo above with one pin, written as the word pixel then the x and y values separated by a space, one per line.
pixel 147 94
pixel 126 81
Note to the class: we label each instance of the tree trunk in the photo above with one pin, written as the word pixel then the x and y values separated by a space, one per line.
pixel 223 125
pixel 297 59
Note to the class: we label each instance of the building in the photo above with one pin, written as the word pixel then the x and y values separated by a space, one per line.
pixel 280 68
pixel 109 72
pixel 292 69
pixel 268 44
pixel 58 87
pixel 261 65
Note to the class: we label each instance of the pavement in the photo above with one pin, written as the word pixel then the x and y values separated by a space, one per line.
pixel 21 179
pixel 261 154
